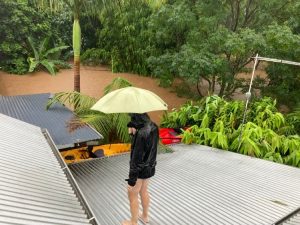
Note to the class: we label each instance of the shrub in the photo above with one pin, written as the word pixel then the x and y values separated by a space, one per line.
pixel 46 57
pixel 218 123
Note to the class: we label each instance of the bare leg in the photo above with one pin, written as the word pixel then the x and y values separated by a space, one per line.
pixel 145 198
pixel 133 194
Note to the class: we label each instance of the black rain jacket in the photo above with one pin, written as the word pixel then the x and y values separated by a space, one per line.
pixel 143 148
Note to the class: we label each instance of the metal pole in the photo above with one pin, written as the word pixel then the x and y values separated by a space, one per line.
pixel 248 96
pixel 278 61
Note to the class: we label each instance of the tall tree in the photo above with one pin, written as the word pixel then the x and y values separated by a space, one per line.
pixel 77 8
pixel 227 33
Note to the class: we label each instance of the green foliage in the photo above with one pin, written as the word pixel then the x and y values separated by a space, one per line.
pixel 19 21
pixel 124 37
pixel 113 127
pixel 45 57
pixel 293 159
pixel 218 123
pixel 164 68
pixel 204 136
pixel 294 120
pixel 117 83
pixel 94 57
pixel 204 42
pixel 274 157
pixel 218 66
pixel 284 82
pixel 264 114
pixel 170 26
pixel 185 116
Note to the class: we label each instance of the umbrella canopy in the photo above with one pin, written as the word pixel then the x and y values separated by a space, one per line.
pixel 130 100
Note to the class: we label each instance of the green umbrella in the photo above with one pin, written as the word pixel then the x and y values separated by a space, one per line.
pixel 130 100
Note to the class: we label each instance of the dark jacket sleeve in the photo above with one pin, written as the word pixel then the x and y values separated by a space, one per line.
pixel 136 162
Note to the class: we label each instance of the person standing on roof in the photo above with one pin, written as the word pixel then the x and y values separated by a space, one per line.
pixel 142 165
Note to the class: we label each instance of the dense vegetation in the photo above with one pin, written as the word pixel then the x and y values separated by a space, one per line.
pixel 198 41
pixel 18 23
pixel 204 41
pixel 215 122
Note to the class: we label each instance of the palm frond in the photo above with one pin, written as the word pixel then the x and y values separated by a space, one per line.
pixel 100 122
pixel 120 121
pixel 113 127
pixel 73 98
pixel 117 83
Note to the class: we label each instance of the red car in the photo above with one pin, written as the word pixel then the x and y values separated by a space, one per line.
pixel 169 136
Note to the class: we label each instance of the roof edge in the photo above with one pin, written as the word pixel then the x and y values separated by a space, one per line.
pixel 288 216
pixel 86 207
pixel 102 158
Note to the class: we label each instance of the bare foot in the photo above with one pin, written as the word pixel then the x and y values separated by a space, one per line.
pixel 128 222
pixel 143 219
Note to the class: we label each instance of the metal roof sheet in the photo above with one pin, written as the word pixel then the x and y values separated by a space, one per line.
pixel 32 109
pixel 34 190
pixel 195 185
pixel 295 220
pixel 292 219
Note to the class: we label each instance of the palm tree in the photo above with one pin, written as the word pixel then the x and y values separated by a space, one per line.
pixel 111 126
pixel 77 7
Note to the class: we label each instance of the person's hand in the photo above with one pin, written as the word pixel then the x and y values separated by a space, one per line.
pixel 131 130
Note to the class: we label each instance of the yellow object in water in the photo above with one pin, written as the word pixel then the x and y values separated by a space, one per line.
pixel 113 149
pixel 79 154
pixel 75 155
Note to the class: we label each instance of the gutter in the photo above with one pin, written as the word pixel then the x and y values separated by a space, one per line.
pixel 86 207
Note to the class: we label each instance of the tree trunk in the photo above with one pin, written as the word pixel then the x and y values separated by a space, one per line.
pixel 198 87
pixel 223 86
pixel 76 48
pixel 213 84
pixel 77 73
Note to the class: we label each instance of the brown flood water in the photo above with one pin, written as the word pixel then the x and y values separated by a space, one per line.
pixel 93 81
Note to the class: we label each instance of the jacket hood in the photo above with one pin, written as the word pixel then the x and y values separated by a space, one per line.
pixel 138 120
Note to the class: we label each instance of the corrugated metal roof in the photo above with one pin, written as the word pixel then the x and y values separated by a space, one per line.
pixel 195 185
pixel 34 190
pixel 295 220
pixel 32 109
